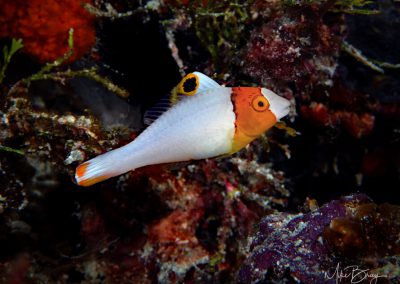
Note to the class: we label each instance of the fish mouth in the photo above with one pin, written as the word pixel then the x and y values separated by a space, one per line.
pixel 279 106
pixel 284 112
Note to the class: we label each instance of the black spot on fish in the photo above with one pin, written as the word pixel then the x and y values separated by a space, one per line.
pixel 189 85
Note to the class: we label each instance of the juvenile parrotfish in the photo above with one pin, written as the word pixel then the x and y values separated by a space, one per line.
pixel 200 120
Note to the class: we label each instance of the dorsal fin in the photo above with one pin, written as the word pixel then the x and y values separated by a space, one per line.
pixel 191 84
pixel 206 82
pixel 154 112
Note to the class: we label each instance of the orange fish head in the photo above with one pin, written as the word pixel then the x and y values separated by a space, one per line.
pixel 257 110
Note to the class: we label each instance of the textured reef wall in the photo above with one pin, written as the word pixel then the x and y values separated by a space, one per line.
pixel 316 196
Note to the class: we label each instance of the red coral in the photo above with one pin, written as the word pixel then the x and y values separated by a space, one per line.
pixel 44 24
pixel 179 226
pixel 318 113
pixel 357 125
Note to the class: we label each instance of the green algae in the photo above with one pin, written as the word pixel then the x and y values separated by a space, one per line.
pixel 221 27
pixel 16 44
pixel 11 150
pixel 354 7
pixel 46 73
pixel 339 6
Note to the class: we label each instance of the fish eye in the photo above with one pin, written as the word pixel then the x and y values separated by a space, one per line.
pixel 260 103
pixel 189 84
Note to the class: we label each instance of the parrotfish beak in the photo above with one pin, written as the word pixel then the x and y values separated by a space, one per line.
pixel 279 106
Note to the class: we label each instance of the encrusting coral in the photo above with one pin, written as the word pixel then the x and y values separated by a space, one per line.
pixel 307 247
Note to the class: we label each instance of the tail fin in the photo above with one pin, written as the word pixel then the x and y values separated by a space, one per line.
pixel 110 164
pixel 93 171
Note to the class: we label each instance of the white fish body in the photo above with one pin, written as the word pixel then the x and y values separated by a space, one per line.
pixel 197 127
pixel 206 120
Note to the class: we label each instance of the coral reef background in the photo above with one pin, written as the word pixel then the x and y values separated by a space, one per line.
pixel 318 190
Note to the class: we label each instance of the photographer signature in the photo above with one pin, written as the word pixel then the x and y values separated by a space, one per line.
pixel 354 274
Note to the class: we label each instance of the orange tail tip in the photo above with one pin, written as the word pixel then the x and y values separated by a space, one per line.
pixel 83 179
